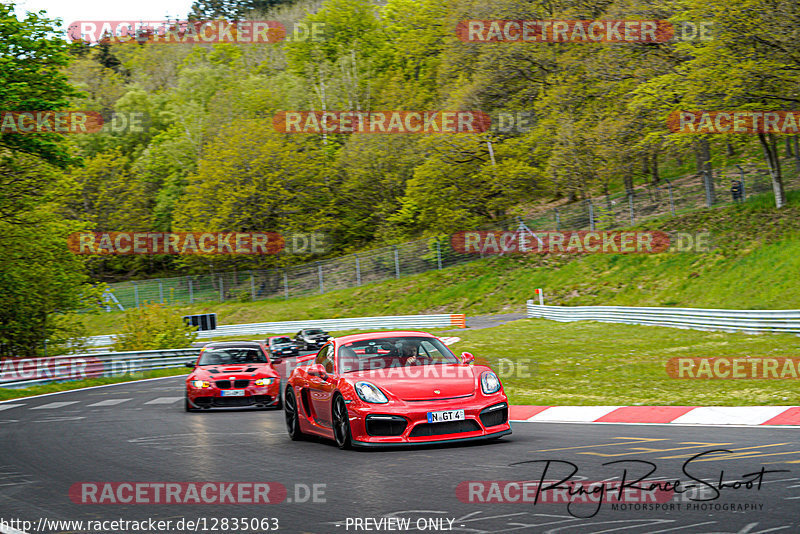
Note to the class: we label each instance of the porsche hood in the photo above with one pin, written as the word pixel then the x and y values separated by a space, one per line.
pixel 423 382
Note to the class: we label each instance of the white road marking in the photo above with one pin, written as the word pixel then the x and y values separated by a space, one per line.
pixel 7 406
pixel 164 400
pixel 59 419
pixel 109 402
pixel 721 415
pixel 575 414
pixel 53 405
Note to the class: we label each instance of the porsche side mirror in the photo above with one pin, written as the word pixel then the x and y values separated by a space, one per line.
pixel 318 370
pixel 276 360
pixel 190 364
pixel 466 357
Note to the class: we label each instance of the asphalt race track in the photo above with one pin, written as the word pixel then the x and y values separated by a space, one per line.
pixel 138 432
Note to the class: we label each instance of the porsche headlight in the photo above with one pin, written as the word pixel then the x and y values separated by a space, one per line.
pixel 490 383
pixel 264 381
pixel 370 393
pixel 199 384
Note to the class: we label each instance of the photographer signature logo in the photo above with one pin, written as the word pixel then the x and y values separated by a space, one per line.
pixel 559 481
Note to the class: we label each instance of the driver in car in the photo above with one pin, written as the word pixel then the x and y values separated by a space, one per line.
pixel 408 354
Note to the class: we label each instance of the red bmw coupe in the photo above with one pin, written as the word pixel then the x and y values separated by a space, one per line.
pixel 393 388
pixel 233 374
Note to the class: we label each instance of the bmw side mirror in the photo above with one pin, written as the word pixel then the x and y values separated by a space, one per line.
pixel 467 358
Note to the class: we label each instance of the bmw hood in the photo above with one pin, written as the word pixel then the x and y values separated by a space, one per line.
pixel 225 372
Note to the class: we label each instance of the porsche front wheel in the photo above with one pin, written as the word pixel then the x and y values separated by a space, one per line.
pixel 341 423
pixel 292 419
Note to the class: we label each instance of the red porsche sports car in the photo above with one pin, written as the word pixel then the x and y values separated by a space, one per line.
pixel 233 374
pixel 393 388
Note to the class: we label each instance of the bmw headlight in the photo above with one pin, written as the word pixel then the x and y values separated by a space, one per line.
pixel 199 384
pixel 370 393
pixel 490 383
pixel 264 381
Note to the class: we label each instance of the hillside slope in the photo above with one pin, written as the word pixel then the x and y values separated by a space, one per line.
pixel 755 264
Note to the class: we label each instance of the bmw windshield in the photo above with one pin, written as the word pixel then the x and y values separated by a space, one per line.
pixel 391 352
pixel 232 356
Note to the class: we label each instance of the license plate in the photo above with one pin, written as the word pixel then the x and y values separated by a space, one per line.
pixel 446 415
pixel 233 393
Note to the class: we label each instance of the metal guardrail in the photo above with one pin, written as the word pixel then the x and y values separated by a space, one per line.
pixel 32 371
pixel 749 321
pixel 284 327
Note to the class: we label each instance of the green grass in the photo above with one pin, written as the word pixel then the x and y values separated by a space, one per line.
pixel 589 363
pixel 6 394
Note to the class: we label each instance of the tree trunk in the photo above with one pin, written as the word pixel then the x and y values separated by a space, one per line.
pixel 731 151
pixel 770 146
pixel 796 153
pixel 788 146
pixel 628 183
pixel 656 177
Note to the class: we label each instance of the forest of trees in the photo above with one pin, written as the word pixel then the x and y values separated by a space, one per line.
pixel 210 159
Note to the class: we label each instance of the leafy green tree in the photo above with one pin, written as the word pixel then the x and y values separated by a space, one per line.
pixel 154 327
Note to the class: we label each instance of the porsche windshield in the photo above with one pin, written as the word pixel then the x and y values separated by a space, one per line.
pixel 232 356
pixel 393 352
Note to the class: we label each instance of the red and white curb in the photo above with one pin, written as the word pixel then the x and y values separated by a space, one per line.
pixel 679 415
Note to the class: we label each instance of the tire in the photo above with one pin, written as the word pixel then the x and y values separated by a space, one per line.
pixel 292 417
pixel 341 424
pixel 187 405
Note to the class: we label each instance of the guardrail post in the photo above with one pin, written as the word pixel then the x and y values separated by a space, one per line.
pixel 321 283
pixel 161 291
pixel 252 286
pixel 591 214
pixel 558 220
pixel 135 294
pixel 221 290
pixel 285 285
pixel 438 254
pixel 396 262
pixel 630 208
pixel 358 270
pixel 191 289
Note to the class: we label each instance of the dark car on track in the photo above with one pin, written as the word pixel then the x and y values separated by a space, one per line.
pixel 282 346
pixel 233 374
pixel 311 338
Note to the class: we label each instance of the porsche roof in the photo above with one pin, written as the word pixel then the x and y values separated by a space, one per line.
pixel 378 335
